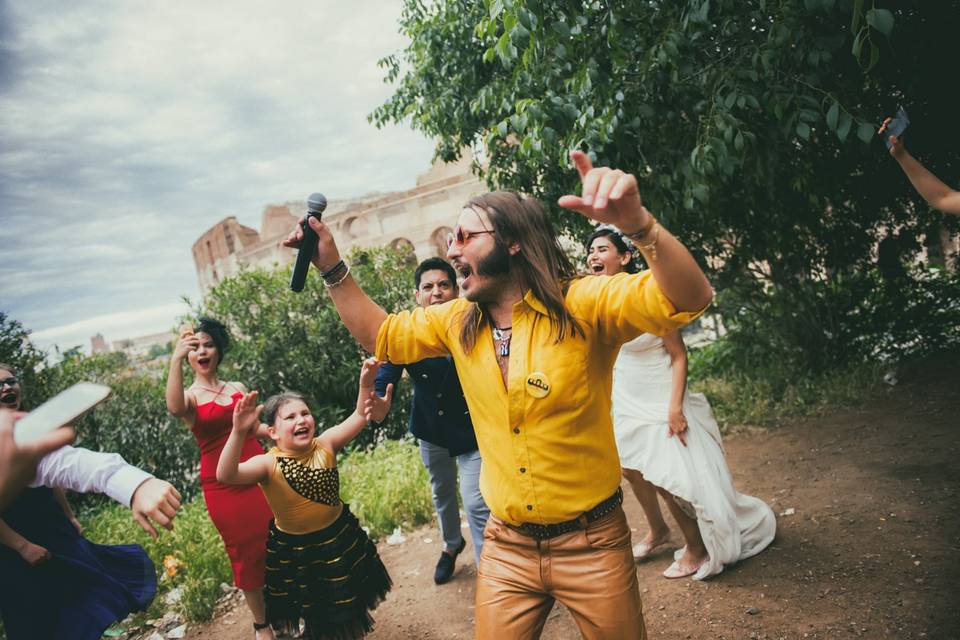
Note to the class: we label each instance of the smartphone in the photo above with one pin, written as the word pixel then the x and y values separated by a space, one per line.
pixel 896 126
pixel 60 410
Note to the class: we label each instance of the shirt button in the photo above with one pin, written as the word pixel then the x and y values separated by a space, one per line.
pixel 440 413
pixel 529 507
pixel 516 429
pixel 439 395
pixel 423 375
pixel 523 469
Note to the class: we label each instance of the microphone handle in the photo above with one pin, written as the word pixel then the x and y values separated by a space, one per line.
pixel 307 246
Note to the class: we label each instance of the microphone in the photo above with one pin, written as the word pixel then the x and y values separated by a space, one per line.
pixel 316 203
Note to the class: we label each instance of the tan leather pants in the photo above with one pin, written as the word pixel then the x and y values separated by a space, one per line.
pixel 590 571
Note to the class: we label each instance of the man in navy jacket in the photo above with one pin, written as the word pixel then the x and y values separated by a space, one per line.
pixel 439 419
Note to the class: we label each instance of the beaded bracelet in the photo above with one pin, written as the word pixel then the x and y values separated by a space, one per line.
pixel 644 232
pixel 331 285
pixel 329 272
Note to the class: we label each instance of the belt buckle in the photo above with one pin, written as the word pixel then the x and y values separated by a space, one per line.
pixel 583 520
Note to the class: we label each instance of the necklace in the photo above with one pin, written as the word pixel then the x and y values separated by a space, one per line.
pixel 503 337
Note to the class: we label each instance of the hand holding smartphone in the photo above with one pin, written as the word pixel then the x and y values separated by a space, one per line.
pixel 59 411
pixel 895 126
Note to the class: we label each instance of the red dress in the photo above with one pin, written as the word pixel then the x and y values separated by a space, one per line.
pixel 240 513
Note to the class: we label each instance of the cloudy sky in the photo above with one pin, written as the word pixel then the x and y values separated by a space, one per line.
pixel 129 128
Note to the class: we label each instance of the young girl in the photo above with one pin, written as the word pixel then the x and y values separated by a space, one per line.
pixel 321 566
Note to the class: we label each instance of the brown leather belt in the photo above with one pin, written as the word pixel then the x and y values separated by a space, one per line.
pixel 545 531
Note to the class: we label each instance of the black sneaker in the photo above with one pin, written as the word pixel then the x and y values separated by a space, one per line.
pixel 446 564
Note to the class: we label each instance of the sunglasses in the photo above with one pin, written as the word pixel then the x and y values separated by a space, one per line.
pixel 9 382
pixel 461 237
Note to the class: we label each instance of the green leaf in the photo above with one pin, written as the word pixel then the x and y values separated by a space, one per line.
pixel 874 56
pixel 843 129
pixel 803 130
pixel 561 28
pixel 881 20
pixel 496 8
pixel 832 115
pixel 701 192
pixel 738 142
pixel 858 43
pixel 865 132
pixel 857 16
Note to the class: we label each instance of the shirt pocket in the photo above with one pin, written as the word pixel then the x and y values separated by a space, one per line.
pixel 565 366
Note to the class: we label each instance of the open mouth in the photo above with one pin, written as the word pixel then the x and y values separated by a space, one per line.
pixel 9 399
pixel 203 361
pixel 597 268
pixel 464 270
pixel 300 431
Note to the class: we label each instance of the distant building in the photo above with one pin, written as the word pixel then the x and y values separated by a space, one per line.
pixel 98 344
pixel 419 218
pixel 141 347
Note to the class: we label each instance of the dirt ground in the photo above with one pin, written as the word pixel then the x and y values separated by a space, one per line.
pixel 870 548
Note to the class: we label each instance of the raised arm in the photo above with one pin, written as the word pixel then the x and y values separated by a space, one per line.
pixel 246 418
pixel 369 407
pixel 612 196
pixel 937 194
pixel 673 343
pixel 179 403
pixel 361 315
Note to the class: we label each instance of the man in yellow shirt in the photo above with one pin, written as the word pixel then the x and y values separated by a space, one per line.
pixel 551 472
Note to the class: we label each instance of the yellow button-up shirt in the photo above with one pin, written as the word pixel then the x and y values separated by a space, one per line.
pixel 546 439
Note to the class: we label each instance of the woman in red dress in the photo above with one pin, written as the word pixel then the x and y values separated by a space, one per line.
pixel 241 514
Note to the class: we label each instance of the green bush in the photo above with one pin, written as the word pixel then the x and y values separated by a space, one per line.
pixel 387 487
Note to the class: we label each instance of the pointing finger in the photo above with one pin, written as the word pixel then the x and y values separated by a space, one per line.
pixel 581 161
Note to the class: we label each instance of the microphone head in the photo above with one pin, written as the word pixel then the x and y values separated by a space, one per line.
pixel 316 203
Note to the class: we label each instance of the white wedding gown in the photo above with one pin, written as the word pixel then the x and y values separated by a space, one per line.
pixel 733 526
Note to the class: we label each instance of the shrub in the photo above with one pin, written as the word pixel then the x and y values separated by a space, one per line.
pixel 387 487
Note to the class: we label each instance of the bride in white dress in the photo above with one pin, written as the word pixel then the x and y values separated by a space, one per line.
pixel 670 445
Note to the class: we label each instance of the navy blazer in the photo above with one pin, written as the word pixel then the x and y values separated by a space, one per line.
pixel 439 412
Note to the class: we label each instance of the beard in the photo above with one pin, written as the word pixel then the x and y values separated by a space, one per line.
pixel 494 264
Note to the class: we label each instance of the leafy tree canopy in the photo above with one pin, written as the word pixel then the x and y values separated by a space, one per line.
pixel 750 124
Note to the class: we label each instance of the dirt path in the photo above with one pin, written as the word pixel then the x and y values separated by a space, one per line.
pixel 872 548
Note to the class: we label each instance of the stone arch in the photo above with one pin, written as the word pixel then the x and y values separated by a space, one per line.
pixel 354 227
pixel 438 240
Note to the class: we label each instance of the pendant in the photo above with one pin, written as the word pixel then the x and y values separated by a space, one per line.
pixel 505 348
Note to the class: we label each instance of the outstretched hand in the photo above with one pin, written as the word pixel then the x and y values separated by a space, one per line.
pixel 246 413
pixel 375 408
pixel 157 501
pixel 607 195
pixel 369 404
pixel 327 254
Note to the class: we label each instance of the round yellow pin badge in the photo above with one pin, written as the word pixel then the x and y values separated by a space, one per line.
pixel 538 384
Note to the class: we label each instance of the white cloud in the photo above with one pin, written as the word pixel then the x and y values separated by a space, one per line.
pixel 130 128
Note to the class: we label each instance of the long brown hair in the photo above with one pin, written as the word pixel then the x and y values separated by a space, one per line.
pixel 540 265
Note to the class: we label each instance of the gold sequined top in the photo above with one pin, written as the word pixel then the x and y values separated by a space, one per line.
pixel 304 491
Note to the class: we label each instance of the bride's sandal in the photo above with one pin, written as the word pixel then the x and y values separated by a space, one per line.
pixel 643 550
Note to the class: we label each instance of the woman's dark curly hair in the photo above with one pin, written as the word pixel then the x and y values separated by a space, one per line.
pixel 217 332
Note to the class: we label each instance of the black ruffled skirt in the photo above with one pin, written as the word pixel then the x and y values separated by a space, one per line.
pixel 332 578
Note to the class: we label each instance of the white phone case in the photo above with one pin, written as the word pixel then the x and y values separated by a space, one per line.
pixel 60 410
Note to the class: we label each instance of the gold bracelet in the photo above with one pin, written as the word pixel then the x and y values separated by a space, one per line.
pixel 331 285
pixel 642 233
pixel 652 246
